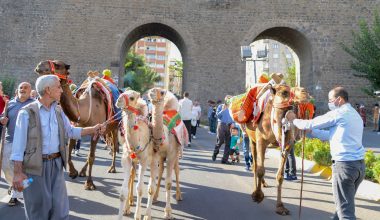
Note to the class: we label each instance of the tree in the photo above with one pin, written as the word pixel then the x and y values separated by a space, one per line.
pixel 175 77
pixel 365 50
pixel 290 78
pixel 8 85
pixel 138 76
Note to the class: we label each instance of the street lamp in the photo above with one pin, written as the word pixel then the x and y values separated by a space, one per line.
pixel 246 55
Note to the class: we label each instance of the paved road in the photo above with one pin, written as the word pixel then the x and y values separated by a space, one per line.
pixel 210 190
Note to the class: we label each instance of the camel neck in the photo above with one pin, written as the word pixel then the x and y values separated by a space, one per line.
pixel 69 103
pixel 157 119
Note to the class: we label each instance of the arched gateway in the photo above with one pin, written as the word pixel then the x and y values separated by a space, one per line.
pixel 209 34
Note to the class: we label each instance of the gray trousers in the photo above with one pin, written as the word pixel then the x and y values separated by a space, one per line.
pixel 46 198
pixel 347 176
pixel 290 166
pixel 223 137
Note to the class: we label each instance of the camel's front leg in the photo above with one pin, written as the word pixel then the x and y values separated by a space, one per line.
pixel 130 184
pixel 178 194
pixel 168 187
pixel 151 188
pixel 89 185
pixel 160 172
pixel 258 194
pixel 280 209
pixel 115 146
pixel 125 190
pixel 73 173
pixel 139 188
pixel 254 163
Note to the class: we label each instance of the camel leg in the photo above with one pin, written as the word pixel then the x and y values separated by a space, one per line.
pixel 151 188
pixel 160 172
pixel 130 184
pixel 139 189
pixel 89 185
pixel 178 194
pixel 258 194
pixel 254 163
pixel 73 173
pixel 125 190
pixel 168 187
pixel 280 209
pixel 115 146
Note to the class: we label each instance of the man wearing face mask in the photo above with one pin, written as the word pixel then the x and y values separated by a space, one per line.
pixel 343 128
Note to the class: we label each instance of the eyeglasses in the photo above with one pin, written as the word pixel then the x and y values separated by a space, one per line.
pixel 330 101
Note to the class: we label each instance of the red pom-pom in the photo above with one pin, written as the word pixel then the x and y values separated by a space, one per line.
pixel 135 127
pixel 132 155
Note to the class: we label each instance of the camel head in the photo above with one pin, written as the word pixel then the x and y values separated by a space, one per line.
pixel 131 102
pixel 281 96
pixel 55 67
pixel 300 95
pixel 157 95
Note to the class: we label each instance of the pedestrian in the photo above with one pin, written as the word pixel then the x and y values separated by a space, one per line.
pixel 211 112
pixel 196 111
pixel 290 166
pixel 9 122
pixel 234 145
pixel 33 94
pixel 223 135
pixel 363 114
pixel 247 156
pixel 185 111
pixel 39 151
pixel 3 99
pixel 376 117
pixel 343 127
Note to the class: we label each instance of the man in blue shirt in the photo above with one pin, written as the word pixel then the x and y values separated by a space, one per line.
pixel 223 135
pixel 343 127
pixel 14 105
pixel 39 151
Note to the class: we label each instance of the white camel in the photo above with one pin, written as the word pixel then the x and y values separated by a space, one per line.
pixel 168 147
pixel 138 147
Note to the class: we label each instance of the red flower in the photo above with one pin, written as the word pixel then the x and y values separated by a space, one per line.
pixel 132 155
pixel 135 127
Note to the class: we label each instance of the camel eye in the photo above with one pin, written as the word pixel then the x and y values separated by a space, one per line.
pixel 285 93
pixel 162 92
pixel 131 98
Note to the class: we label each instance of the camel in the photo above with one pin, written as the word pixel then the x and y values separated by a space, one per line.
pixel 138 147
pixel 169 149
pixel 79 112
pixel 268 130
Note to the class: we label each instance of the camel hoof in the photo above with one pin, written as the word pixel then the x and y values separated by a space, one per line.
pixel 281 210
pixel 257 196
pixel 178 197
pixel 168 213
pixel 147 217
pixel 82 174
pixel 89 185
pixel 131 203
pixel 73 174
pixel 112 170
pixel 126 212
pixel 265 184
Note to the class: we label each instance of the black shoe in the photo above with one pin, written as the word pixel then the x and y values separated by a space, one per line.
pixel 226 162
pixel 10 190
pixel 12 202
pixel 213 157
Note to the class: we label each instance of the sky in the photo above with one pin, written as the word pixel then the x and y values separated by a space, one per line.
pixel 174 53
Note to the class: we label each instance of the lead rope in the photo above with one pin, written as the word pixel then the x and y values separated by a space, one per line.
pixel 302 170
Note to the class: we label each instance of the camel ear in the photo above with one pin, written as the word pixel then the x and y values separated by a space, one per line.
pixel 273 89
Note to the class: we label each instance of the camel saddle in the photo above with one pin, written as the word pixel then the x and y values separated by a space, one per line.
pixel 175 125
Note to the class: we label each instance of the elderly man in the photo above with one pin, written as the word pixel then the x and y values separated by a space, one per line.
pixel 22 99
pixel 343 127
pixel 39 151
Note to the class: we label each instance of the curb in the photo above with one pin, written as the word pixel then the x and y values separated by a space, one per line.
pixel 367 189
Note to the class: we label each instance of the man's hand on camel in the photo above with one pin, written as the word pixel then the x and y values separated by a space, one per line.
pixel 290 116
pixel 3 120
pixel 100 128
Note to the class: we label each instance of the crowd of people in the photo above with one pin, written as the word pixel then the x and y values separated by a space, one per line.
pixel 34 118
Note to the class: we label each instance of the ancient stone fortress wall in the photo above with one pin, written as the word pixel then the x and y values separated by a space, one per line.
pixel 93 35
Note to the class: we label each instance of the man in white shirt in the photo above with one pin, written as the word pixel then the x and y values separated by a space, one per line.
pixel 196 117
pixel 185 111
pixel 343 127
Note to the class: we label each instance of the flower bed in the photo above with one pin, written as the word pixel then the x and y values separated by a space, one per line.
pixel 319 151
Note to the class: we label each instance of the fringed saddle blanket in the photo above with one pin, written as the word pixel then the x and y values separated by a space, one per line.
pixel 173 121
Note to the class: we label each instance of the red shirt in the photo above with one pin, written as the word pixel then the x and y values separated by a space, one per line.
pixel 2 103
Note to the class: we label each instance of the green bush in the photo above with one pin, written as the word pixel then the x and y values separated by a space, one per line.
pixel 376 170
pixel 315 150
pixel 369 158
pixel 372 163
pixel 8 85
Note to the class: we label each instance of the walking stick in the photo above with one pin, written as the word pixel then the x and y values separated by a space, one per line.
pixel 3 137
pixel 302 169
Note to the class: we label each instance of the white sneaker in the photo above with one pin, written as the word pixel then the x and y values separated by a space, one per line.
pixel 76 152
pixel 210 132
pixel 194 137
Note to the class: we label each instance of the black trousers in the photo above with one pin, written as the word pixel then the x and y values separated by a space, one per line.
pixel 223 136
pixel 188 127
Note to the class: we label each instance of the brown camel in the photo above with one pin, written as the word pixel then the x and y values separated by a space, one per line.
pixel 269 130
pixel 79 112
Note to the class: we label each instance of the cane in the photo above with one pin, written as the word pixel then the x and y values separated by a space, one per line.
pixel 303 161
pixel 3 137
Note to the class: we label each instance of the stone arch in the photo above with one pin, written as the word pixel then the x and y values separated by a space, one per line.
pixel 299 44
pixel 144 30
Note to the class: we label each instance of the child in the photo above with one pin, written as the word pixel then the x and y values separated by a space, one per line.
pixel 234 146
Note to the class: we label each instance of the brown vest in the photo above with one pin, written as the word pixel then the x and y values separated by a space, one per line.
pixel 32 162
